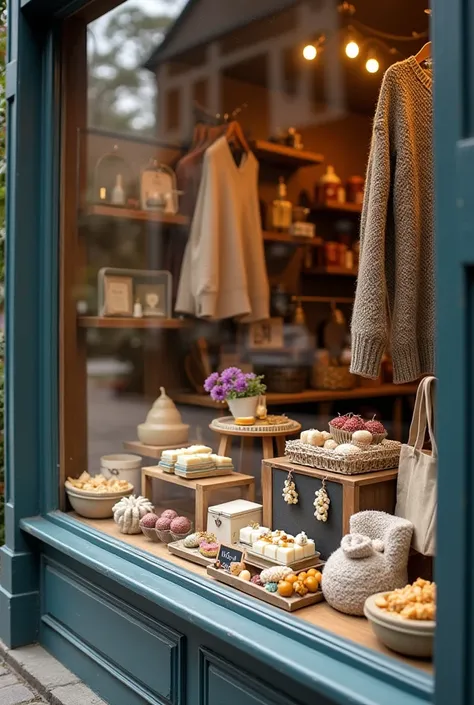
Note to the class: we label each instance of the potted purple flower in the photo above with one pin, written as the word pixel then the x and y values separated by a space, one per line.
pixel 240 390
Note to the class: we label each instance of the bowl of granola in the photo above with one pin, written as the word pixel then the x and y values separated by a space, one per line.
pixel 93 497
pixel 405 619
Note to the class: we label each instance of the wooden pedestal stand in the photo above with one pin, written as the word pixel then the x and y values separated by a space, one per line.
pixel 202 489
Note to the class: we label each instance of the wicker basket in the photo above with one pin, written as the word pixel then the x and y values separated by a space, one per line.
pixel 286 380
pixel 332 377
pixel 384 456
pixel 341 436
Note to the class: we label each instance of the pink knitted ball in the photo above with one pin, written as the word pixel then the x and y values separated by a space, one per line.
pixel 256 580
pixel 355 423
pixel 170 513
pixel 163 524
pixel 375 427
pixel 180 525
pixel 149 520
pixel 339 421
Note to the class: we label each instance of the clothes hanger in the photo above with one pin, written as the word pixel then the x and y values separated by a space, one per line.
pixel 424 53
pixel 235 132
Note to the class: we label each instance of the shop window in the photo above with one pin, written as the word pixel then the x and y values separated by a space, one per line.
pixel 226 235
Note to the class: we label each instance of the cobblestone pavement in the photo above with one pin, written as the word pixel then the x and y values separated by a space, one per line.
pixel 14 690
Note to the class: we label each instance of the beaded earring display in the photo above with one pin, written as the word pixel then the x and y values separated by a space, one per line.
pixel 321 503
pixel 289 494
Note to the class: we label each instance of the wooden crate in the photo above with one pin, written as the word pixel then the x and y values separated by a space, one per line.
pixel 348 494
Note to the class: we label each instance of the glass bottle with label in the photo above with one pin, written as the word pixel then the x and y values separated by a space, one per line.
pixel 281 208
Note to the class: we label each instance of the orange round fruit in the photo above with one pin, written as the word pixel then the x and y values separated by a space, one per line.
pixel 291 578
pixel 312 583
pixel 311 571
pixel 302 576
pixel 285 589
pixel 300 588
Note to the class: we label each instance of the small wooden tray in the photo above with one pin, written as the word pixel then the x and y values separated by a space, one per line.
pixel 178 548
pixel 260 561
pixel 290 604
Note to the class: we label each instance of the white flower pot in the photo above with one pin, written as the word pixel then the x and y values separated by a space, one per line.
pixel 243 407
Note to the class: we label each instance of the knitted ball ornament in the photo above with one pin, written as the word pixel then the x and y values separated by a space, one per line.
pixel 170 513
pixel 149 520
pixel 163 524
pixel 180 525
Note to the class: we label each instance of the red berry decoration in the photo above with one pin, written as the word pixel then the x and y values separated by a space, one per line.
pixel 375 427
pixel 149 520
pixel 355 423
pixel 339 421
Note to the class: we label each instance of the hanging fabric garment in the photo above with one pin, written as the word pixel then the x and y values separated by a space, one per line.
pixel 224 273
pixel 395 298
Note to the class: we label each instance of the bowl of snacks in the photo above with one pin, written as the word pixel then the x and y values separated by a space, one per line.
pixel 93 497
pixel 405 619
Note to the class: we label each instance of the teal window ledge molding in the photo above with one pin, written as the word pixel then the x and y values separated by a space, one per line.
pixel 344 672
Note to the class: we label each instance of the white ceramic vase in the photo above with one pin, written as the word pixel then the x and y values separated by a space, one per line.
pixel 245 407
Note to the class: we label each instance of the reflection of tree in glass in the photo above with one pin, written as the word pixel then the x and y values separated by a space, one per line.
pixel 122 95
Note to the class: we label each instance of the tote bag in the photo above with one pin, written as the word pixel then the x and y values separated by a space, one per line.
pixel 418 471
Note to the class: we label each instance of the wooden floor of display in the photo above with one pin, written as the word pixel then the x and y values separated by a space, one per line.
pixel 356 629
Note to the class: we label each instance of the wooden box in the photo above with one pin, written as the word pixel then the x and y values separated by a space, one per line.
pixel 226 520
pixel 348 494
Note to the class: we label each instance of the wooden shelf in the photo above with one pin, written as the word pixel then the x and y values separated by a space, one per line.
pixel 282 155
pixel 333 206
pixel 105 211
pixel 112 322
pixel 270 236
pixel 339 271
pixel 309 395
pixel 151 451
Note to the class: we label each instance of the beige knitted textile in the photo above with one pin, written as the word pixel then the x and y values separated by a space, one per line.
pixel 395 298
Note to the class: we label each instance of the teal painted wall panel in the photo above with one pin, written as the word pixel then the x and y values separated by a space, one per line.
pixel 142 649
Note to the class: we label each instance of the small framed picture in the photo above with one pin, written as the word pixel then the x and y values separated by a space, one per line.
pixel 266 335
pixel 152 298
pixel 118 296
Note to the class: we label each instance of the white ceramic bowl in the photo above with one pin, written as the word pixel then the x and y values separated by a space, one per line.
pixel 93 505
pixel 405 636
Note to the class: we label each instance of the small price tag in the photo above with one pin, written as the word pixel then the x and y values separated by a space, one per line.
pixel 228 555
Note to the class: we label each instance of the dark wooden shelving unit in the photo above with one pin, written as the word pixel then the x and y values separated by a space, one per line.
pixel 334 207
pixel 270 236
pixel 105 211
pixel 283 156
pixel 129 322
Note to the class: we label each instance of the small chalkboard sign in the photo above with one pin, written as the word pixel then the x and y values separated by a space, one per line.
pixel 228 555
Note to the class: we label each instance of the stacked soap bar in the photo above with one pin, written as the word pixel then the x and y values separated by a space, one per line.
pixel 169 458
pixel 222 462
pixel 200 465
pixel 250 534
pixel 284 548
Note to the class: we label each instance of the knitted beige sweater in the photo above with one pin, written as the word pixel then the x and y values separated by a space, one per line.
pixel 395 298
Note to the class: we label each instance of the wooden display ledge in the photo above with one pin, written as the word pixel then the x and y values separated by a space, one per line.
pixel 286 238
pixel 151 451
pixel 202 488
pixel 322 616
pixel 309 395
pixel 107 211
pixel 284 156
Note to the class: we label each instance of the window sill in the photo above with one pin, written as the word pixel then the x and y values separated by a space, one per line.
pixel 322 661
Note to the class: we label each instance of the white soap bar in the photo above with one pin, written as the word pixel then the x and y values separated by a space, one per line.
pixel 198 450
pixel 270 551
pixel 220 459
pixel 259 547
pixel 246 535
pixel 285 555
pixel 193 460
pixel 257 533
pixel 299 552
pixel 171 456
pixel 309 548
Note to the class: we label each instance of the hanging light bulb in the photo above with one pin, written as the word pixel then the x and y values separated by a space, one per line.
pixel 310 52
pixel 372 64
pixel 352 49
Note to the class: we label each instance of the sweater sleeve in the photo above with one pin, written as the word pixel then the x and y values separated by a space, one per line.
pixel 369 318
pixel 205 243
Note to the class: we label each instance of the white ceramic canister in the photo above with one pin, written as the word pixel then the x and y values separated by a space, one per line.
pixel 123 466
pixel 243 408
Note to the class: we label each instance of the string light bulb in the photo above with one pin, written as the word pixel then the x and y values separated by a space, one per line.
pixel 310 52
pixel 372 64
pixel 352 49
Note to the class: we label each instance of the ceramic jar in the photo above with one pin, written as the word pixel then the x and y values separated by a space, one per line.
pixel 243 408
pixel 163 425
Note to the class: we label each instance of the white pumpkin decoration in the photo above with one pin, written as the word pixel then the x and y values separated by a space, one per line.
pixel 129 511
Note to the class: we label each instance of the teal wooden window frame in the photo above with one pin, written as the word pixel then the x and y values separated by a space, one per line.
pixel 331 666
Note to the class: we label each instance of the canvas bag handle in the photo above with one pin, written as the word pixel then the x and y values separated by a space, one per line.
pixel 423 416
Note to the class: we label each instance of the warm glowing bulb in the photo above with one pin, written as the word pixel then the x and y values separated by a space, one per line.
pixel 310 52
pixel 372 65
pixel 352 49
